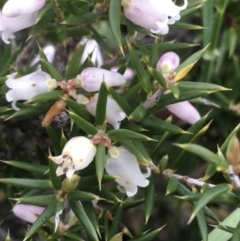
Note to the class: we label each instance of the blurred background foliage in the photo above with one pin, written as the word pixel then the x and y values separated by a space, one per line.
pixel 24 139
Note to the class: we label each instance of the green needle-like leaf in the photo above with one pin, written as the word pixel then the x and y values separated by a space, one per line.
pixel 84 219
pixel 100 117
pixel 207 196
pixel 149 198
pixel 100 160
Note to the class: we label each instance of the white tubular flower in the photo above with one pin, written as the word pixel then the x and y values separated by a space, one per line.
pixel 154 15
pixel 8 26
pixel 28 86
pixel 114 114
pixel 185 111
pixel 77 154
pixel 28 213
pixel 49 50
pixel 92 49
pixel 91 78
pixel 123 165
pixel 16 8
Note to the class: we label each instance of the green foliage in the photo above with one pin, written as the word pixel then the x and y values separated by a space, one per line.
pixel 194 170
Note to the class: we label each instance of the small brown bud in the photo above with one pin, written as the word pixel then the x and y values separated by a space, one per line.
pixel 55 110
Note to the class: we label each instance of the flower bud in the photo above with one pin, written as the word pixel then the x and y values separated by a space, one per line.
pixel 69 184
pixel 27 87
pixel 123 164
pixel 28 213
pixel 114 114
pixel 168 62
pixel 91 78
pixel 77 154
pixel 185 111
pixel 16 8
pixel 233 151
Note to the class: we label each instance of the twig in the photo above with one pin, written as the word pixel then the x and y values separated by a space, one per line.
pixel 154 98
pixel 190 181
pixel 234 178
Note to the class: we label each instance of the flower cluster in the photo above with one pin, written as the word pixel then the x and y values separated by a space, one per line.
pixel 16 16
pixel 79 152
pixel 153 15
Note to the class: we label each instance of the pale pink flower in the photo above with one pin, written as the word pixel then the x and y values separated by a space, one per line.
pixel 28 213
pixel 185 111
pixel 91 78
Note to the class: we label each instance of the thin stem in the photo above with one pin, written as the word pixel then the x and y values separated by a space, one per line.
pixel 154 98
pixel 190 181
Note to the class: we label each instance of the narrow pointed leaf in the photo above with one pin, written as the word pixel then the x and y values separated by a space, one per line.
pixel 115 227
pixel 43 218
pixel 149 198
pixel 101 105
pixel 91 213
pixel 74 64
pixel 90 181
pixel 231 220
pixel 189 85
pixel 172 185
pixel 82 196
pixel 174 152
pixel 174 89
pixel 79 110
pixel 181 158
pixel 52 95
pixel 125 106
pixel 51 70
pixel 138 113
pixel 159 126
pixel 27 183
pixel 192 59
pixel 83 124
pixel 55 138
pixel 27 166
pixel 84 219
pixel 100 160
pixel 123 134
pixel 202 225
pixel 39 200
pixel 147 236
pixel 141 72
pixel 205 154
pixel 114 20
pixel 207 196
pixel 158 76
